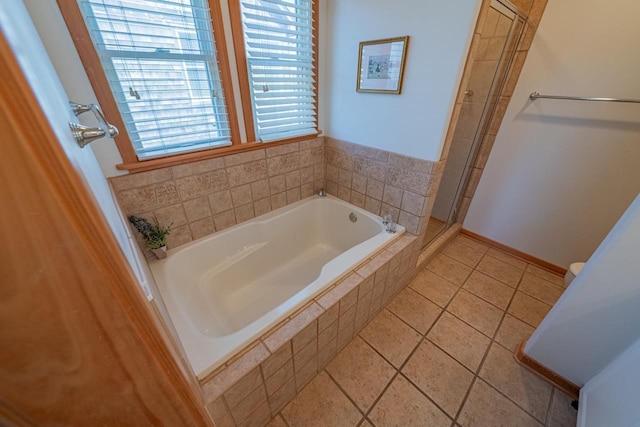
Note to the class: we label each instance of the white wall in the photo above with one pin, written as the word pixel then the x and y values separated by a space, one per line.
pixel 50 25
pixel 562 172
pixel 598 316
pixel 21 34
pixel 415 122
pixel 610 398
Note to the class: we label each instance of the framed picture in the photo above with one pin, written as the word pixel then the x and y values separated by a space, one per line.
pixel 381 64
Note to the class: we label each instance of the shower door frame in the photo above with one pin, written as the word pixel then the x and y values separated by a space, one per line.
pixel 486 116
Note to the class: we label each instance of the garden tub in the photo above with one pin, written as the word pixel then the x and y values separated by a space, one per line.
pixel 225 290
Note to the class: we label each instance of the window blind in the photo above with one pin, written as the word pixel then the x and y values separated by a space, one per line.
pixel 160 60
pixel 279 43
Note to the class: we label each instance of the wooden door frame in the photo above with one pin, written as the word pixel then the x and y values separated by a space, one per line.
pixel 38 177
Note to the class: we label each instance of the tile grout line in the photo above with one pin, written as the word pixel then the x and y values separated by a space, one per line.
pixel 493 341
pixel 486 354
pixel 399 369
pixel 547 419
pixel 423 337
pixel 284 420
pixel 493 338
pixel 362 413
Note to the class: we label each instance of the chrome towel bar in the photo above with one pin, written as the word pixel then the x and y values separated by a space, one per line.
pixel 536 95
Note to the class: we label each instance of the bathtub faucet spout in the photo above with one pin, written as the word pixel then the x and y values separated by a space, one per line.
pixel 322 193
pixel 387 220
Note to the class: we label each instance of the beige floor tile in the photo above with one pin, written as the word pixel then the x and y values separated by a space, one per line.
pixel 500 270
pixel 473 243
pixel 486 407
pixel 390 336
pixel 414 309
pixel 440 376
pixel 403 405
pixel 277 422
pixel 450 269
pixel 489 289
pixel 436 288
pixel 511 260
pixel 530 392
pixel 545 274
pixel 321 404
pixel 476 312
pixel 366 423
pixel 540 288
pixel 561 413
pixel 460 340
pixel 528 309
pixel 465 253
pixel 512 332
pixel 361 372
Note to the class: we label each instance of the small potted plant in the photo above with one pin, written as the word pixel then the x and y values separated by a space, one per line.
pixel 155 235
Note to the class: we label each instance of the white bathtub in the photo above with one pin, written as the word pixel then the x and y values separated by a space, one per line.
pixel 223 291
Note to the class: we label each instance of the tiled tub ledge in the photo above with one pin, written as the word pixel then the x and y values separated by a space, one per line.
pixel 253 386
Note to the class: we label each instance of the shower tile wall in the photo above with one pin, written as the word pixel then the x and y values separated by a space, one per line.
pixel 532 10
pixel 383 182
pixel 203 197
pixel 485 64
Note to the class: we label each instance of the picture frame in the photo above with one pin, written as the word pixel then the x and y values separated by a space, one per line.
pixel 381 65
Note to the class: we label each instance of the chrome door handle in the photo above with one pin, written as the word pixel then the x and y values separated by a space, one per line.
pixel 85 134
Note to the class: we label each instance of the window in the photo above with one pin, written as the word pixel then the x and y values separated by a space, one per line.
pixel 280 84
pixel 160 61
pixel 160 71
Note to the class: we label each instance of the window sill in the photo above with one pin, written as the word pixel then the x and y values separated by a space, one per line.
pixel 180 159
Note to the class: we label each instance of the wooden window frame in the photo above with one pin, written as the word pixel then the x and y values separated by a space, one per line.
pixel 97 77
pixel 243 72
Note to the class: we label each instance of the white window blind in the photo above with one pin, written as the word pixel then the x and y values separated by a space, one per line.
pixel 278 37
pixel 160 60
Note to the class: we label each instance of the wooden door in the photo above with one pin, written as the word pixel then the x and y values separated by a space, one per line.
pixel 79 345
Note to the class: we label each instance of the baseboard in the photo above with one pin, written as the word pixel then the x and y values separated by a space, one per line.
pixel 558 381
pixel 511 251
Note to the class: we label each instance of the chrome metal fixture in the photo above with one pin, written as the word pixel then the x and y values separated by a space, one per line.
pixel 85 134
pixel 536 95
pixel 390 225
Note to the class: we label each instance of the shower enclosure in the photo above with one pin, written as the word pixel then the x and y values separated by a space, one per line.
pixel 496 49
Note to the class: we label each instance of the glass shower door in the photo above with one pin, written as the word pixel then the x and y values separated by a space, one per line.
pixel 495 52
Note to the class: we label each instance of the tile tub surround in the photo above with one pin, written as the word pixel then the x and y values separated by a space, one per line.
pixel 203 197
pixel 438 355
pixel 260 381
pixel 383 182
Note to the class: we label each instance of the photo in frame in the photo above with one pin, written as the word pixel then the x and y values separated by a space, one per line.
pixel 381 65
